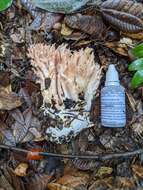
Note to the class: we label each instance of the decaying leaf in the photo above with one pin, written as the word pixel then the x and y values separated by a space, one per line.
pixel 69 76
pixel 21 169
pixel 92 25
pixel 66 31
pixel 69 182
pixel 128 6
pixel 38 181
pixel 104 171
pixel 103 183
pixel 121 47
pixel 23 123
pixel 138 170
pixel 138 36
pixel 56 186
pixel 8 100
pixel 60 6
pixel 8 179
pixel 42 20
pixel 125 182
pixel 126 22
pixel 75 180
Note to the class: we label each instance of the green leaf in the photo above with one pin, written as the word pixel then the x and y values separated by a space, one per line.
pixel 137 79
pixel 138 50
pixel 136 65
pixel 4 4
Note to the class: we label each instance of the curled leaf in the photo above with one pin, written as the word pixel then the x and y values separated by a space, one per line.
pixel 21 169
pixel 136 65
pixel 137 79
pixel 123 21
pixel 66 31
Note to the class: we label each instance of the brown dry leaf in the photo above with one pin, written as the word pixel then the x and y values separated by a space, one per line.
pixel 106 182
pixel 123 21
pixel 132 101
pixel 76 36
pixel 138 170
pixel 131 7
pixel 137 36
pixel 104 171
pixel 116 47
pixel 73 181
pixel 66 31
pixel 70 181
pixel 125 182
pixel 21 169
pixel 38 181
pixel 82 43
pixel 92 25
pixel 8 100
pixel 4 79
pixel 56 186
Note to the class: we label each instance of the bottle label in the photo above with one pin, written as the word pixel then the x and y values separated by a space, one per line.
pixel 113 111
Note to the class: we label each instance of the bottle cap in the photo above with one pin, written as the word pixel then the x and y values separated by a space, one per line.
pixel 112 77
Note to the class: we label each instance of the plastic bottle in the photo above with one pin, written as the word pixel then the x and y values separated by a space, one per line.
pixel 113 109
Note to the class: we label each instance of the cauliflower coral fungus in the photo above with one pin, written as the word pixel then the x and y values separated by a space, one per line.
pixel 72 77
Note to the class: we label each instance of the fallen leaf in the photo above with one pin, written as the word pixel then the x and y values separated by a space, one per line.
pixel 103 171
pixel 115 46
pixel 105 183
pixel 73 181
pixel 125 182
pixel 56 186
pixel 42 20
pixel 21 169
pixel 8 100
pixel 38 181
pixel 127 6
pixel 138 170
pixel 65 30
pixel 138 36
pixel 60 6
pixel 23 122
pixel 123 21
pixel 92 25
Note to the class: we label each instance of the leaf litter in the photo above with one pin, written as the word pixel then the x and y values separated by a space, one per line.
pixel 52 66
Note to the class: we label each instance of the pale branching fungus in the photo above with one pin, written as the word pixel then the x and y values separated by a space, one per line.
pixel 73 78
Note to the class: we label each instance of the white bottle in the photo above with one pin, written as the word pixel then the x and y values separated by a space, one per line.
pixel 113 109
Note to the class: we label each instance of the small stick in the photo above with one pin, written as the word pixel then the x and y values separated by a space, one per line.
pixel 100 157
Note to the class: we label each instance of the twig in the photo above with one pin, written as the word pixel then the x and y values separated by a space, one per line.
pixel 99 157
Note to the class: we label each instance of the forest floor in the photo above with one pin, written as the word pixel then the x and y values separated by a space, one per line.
pixel 117 152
